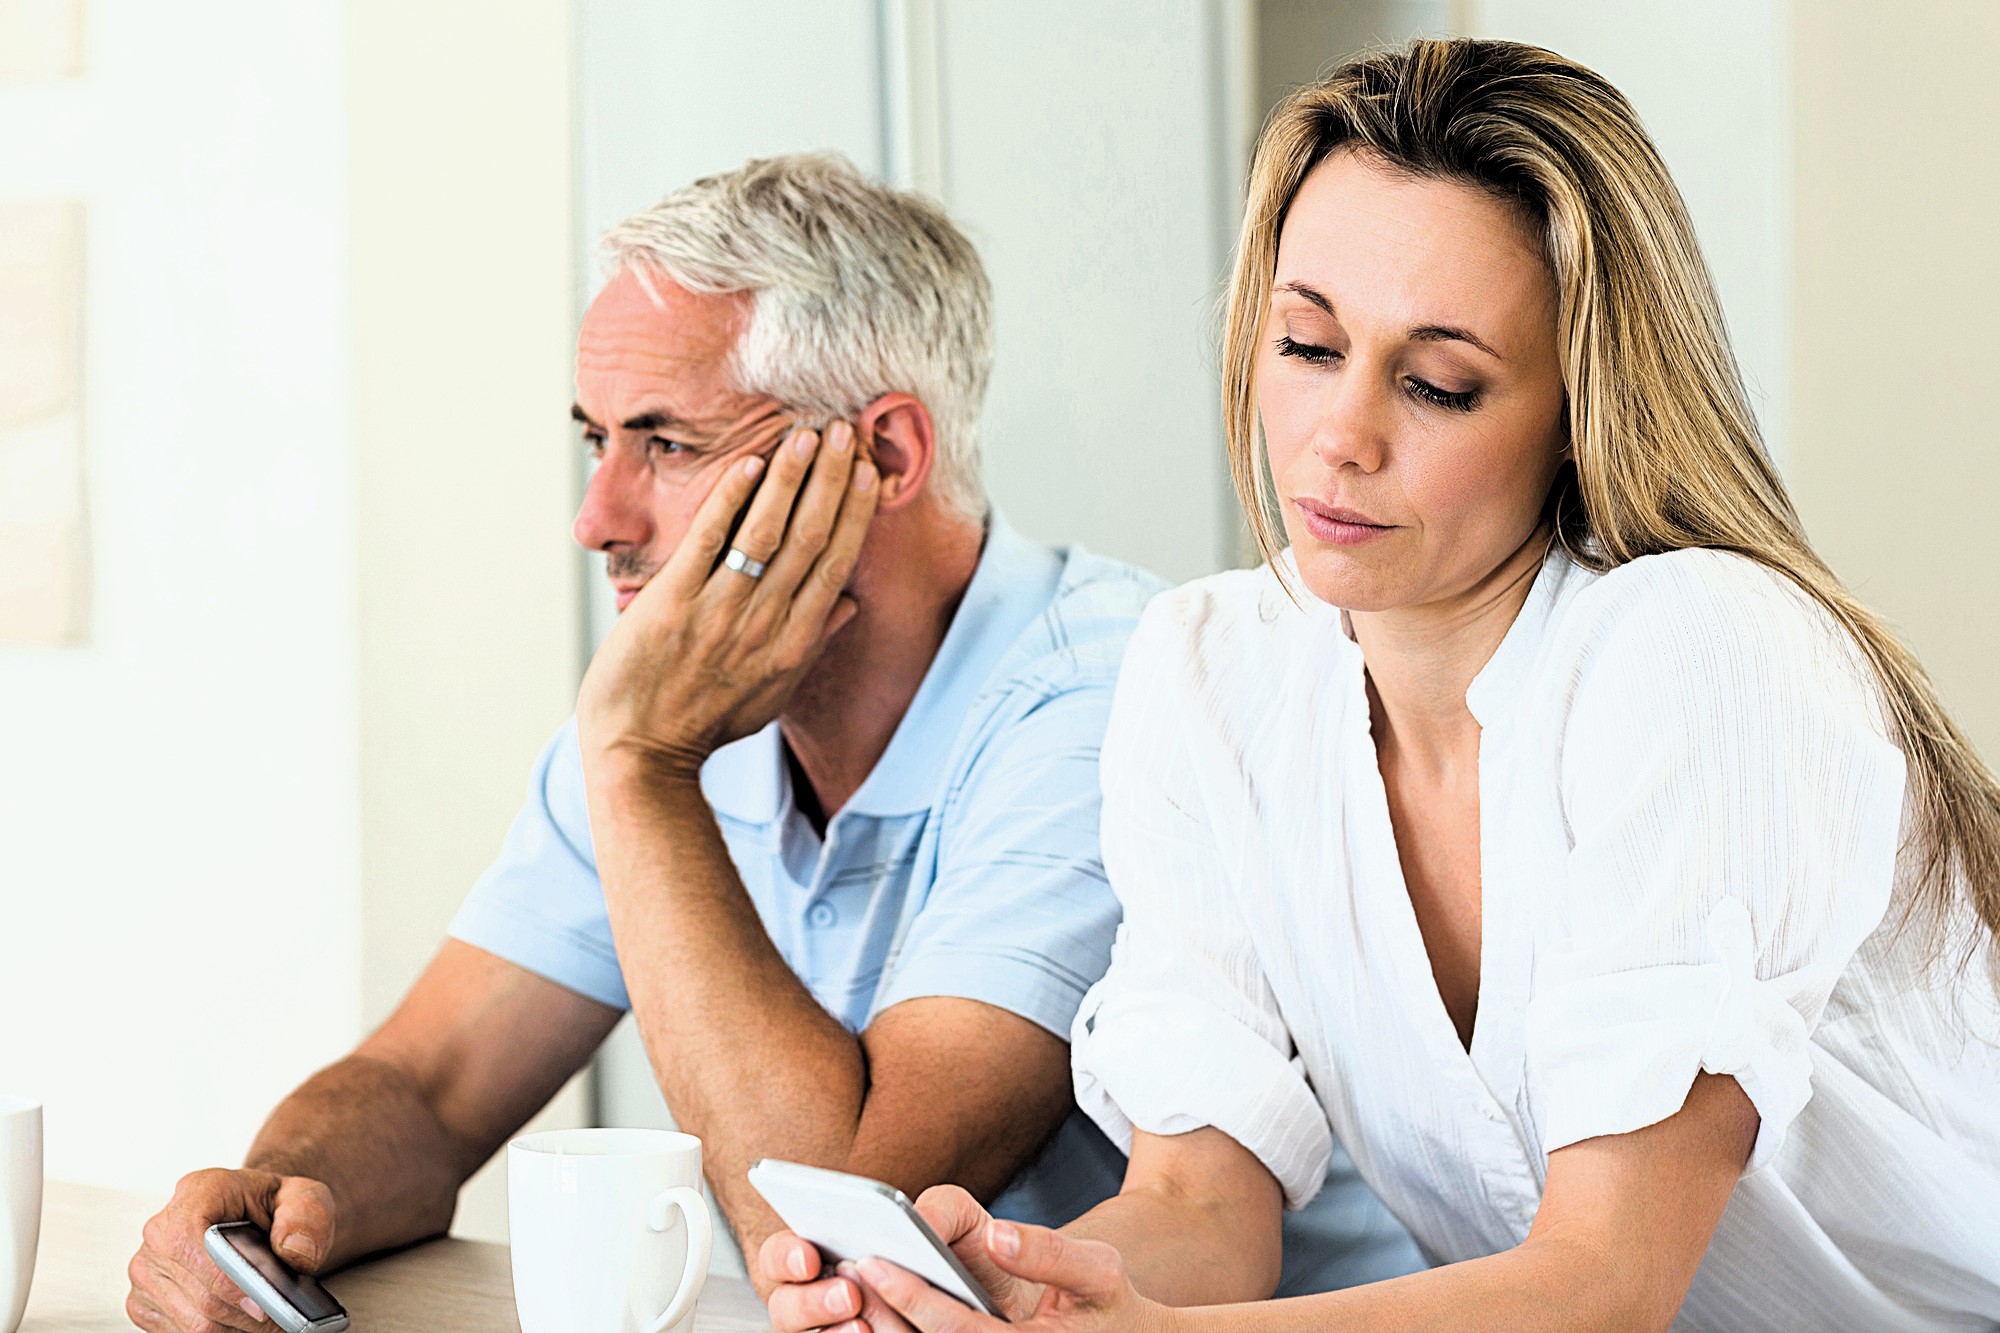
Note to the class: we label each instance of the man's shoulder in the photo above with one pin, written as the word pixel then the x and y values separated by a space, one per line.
pixel 1079 638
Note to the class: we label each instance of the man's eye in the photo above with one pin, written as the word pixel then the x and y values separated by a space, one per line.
pixel 593 442
pixel 660 444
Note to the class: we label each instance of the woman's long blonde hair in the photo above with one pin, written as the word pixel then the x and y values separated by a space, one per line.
pixel 1666 452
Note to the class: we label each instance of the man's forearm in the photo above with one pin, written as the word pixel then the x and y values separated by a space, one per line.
pixel 362 1128
pixel 747 1059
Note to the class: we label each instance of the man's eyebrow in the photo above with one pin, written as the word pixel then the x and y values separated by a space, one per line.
pixel 657 419
pixel 1423 333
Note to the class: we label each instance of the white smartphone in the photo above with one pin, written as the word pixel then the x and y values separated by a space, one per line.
pixel 296 1302
pixel 853 1218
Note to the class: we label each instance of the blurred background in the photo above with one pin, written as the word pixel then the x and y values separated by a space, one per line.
pixel 287 300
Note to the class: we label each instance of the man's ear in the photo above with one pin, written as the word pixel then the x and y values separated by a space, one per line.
pixel 895 430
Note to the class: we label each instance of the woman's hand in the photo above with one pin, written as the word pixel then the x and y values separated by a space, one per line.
pixel 810 1298
pixel 1082 1284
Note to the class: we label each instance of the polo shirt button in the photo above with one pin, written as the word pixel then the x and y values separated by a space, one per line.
pixel 822 915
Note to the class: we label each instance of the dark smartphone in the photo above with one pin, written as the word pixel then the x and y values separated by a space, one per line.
pixel 296 1302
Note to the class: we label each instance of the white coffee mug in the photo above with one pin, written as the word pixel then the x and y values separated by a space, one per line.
pixel 609 1230
pixel 20 1204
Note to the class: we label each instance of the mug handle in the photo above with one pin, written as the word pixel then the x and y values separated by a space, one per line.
pixel 694 1212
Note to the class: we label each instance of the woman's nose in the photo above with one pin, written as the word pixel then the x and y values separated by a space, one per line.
pixel 1351 428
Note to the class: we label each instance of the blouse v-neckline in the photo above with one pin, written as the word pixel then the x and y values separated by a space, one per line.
pixel 1492 1059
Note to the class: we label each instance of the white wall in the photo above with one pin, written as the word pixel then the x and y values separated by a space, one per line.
pixel 337 608
pixel 470 609
pixel 178 922
pixel 1896 464
pixel 1084 153
pixel 1711 79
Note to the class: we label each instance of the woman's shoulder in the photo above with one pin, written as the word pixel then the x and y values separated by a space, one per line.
pixel 1708 617
pixel 1209 635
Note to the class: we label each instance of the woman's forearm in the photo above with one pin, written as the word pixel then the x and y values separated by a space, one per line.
pixel 1180 1250
pixel 1545 1285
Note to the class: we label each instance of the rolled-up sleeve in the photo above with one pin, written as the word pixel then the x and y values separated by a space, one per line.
pixel 540 905
pixel 1734 812
pixel 1183 1032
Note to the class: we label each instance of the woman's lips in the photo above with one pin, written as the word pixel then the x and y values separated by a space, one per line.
pixel 1340 527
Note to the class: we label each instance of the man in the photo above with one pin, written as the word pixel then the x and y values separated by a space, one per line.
pixel 826 819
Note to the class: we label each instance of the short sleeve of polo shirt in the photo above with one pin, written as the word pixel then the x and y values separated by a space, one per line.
pixel 539 905
pixel 1020 915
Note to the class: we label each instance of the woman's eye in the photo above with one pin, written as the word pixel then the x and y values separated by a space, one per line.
pixel 1436 397
pixel 1310 353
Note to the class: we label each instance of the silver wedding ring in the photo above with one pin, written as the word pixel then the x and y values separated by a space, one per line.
pixel 743 564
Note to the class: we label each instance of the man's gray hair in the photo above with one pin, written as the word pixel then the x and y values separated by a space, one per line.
pixel 857 290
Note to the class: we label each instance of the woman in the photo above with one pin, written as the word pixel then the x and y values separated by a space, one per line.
pixel 1601 873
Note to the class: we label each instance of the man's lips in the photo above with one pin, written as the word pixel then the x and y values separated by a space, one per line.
pixel 1339 526
pixel 625 592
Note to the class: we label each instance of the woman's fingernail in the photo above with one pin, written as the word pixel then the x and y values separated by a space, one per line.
pixel 1004 1237
pixel 864 476
pixel 254 1310
pixel 804 443
pixel 752 465
pixel 875 1271
pixel 841 437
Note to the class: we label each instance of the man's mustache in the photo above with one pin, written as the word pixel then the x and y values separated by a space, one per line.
pixel 628 567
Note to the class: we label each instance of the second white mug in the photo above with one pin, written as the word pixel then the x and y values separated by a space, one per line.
pixel 609 1230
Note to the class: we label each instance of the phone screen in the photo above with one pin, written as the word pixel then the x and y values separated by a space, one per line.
pixel 302 1291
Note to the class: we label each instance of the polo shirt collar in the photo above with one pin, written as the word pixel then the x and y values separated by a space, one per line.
pixel 1012 585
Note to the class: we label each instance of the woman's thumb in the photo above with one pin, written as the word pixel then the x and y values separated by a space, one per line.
pixel 1085 1268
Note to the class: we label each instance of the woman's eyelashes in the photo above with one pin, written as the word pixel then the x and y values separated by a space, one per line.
pixel 1309 353
pixel 1430 393
pixel 1422 390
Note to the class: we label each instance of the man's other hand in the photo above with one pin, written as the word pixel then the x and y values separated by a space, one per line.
pixel 176 1286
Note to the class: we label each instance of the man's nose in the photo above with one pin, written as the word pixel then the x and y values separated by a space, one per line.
pixel 614 511
pixel 1352 426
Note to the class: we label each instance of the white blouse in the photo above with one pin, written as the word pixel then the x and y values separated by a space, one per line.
pixel 1690 816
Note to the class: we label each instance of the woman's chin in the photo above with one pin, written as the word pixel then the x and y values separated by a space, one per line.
pixel 1347 580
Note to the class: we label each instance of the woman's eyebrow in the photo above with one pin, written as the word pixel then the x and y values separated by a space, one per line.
pixel 1438 333
pixel 1423 333
pixel 1301 289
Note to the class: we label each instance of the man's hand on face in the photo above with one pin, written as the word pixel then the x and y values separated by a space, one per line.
pixel 176 1286
pixel 705 654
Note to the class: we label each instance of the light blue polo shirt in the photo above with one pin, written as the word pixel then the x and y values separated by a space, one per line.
pixel 966 865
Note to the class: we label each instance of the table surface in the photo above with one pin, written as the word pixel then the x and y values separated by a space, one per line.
pixel 442 1286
